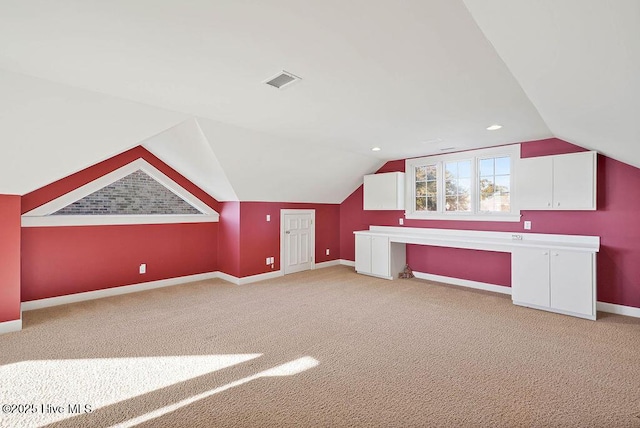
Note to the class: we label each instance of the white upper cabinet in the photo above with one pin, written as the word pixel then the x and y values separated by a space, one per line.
pixel 560 182
pixel 384 191
pixel 535 183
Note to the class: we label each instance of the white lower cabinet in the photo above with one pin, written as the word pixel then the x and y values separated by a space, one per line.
pixel 556 280
pixel 376 256
pixel 363 253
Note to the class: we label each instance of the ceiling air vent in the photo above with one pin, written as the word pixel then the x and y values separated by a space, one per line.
pixel 282 79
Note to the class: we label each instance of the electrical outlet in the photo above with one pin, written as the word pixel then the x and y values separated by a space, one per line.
pixel 401 221
pixel 516 237
pixel 527 225
pixel 143 268
pixel 268 260
pixel 271 260
pixel 327 251
pixel 268 217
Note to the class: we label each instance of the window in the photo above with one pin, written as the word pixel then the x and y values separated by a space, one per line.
pixel 426 188
pixel 457 185
pixel 495 184
pixel 136 193
pixel 472 185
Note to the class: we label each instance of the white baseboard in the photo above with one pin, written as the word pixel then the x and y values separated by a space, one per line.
pixel 260 277
pixel 629 311
pixel 327 264
pixel 114 291
pixel 248 279
pixel 463 282
pixel 347 263
pixel 229 278
pixel 134 288
pixel 10 326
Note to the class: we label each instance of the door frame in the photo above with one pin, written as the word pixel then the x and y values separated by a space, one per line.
pixel 284 212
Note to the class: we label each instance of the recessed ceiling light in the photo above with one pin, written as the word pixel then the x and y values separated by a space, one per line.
pixel 494 127
pixel 376 149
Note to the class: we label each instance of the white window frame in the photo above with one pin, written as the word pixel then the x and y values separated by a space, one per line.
pixel 512 151
pixel 42 215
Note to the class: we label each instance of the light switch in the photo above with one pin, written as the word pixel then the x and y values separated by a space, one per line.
pixel 527 225
pixel 268 217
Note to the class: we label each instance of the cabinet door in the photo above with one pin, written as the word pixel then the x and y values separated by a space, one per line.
pixel 384 191
pixel 572 282
pixel 363 253
pixel 530 276
pixel 380 256
pixel 535 183
pixel 574 181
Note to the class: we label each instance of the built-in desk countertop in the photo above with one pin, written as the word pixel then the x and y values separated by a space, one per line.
pixel 550 272
pixel 481 240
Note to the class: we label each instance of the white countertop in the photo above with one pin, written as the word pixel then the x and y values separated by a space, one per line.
pixel 481 240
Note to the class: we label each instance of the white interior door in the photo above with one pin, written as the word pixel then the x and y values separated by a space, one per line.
pixel 298 238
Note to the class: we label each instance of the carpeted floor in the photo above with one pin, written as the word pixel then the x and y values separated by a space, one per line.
pixel 389 353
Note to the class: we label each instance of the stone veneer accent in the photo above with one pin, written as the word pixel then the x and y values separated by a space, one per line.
pixel 135 194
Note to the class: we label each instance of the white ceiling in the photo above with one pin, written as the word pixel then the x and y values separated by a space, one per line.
pixel 48 131
pixel 579 63
pixel 375 73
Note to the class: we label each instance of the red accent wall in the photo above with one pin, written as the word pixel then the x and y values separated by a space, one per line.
pixel 615 222
pixel 9 258
pixel 260 239
pixel 229 239
pixel 63 260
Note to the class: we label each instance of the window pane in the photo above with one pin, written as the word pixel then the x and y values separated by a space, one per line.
pixel 464 203
pixel 421 173
pixel 432 203
pixel 502 184
pixel 451 187
pixel 432 188
pixel 464 186
pixel 505 203
pixel 451 203
pixel 431 172
pixel 486 167
pixel 464 169
pixel 503 166
pixel 421 203
pixel 451 169
pixel 486 186
pixel 421 189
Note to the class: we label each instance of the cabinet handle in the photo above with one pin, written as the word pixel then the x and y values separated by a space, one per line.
pixel 558 204
pixel 545 253
pixel 556 254
pixel 548 204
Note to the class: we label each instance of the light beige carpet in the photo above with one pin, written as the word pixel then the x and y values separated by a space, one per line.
pixel 389 353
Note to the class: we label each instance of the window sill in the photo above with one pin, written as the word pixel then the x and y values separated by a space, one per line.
pixel 464 217
pixel 109 220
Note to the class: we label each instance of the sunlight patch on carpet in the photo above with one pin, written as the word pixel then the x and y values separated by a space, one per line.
pixel 287 369
pixel 53 390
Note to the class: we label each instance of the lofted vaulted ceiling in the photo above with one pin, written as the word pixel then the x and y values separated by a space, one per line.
pixel 88 79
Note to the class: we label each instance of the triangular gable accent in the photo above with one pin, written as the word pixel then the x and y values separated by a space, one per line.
pixel 57 212
pixel 136 194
